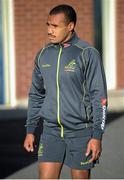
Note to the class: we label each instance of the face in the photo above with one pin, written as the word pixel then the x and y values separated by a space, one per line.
pixel 58 30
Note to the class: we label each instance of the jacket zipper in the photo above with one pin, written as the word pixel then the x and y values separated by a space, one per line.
pixel 58 93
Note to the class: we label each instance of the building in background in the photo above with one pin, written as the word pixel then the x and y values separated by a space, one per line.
pixel 23 33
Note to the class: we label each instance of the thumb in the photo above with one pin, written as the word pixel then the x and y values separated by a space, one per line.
pixel 88 150
pixel 31 146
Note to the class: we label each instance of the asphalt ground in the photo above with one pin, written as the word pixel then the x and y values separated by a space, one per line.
pixel 16 163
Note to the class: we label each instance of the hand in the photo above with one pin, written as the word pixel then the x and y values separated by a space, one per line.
pixel 94 146
pixel 28 143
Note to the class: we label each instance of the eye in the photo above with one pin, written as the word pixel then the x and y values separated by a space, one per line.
pixel 47 24
pixel 54 25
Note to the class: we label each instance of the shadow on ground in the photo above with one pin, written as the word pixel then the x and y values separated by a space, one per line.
pixel 13 157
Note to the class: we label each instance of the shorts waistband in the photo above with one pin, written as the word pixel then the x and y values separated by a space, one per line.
pixel 86 131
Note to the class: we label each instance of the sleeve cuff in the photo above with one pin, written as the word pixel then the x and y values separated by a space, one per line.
pixel 30 130
pixel 97 134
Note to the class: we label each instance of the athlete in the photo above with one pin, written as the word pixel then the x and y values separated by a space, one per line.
pixel 69 94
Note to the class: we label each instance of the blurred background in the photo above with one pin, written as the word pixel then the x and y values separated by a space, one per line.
pixel 22 33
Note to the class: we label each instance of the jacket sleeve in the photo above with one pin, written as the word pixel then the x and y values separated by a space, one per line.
pixel 36 97
pixel 96 85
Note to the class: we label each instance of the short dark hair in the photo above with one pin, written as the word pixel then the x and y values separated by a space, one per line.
pixel 68 11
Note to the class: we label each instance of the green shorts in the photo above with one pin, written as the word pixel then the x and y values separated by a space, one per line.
pixel 68 150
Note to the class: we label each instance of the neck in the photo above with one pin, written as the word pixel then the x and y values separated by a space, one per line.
pixel 67 38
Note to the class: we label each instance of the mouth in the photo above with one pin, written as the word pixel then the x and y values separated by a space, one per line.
pixel 51 37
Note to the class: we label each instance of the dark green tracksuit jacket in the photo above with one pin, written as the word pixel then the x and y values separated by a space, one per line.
pixel 68 90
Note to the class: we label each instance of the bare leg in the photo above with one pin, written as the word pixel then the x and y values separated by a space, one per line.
pixel 49 170
pixel 80 174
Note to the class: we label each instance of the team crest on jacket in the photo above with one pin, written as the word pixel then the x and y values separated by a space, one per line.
pixel 70 66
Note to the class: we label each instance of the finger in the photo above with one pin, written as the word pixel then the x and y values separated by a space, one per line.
pixel 98 155
pixel 32 149
pixel 88 150
pixel 93 157
pixel 29 147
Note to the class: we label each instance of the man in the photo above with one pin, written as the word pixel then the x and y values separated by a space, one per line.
pixel 69 93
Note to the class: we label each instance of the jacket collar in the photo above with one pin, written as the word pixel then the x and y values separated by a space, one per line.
pixel 73 40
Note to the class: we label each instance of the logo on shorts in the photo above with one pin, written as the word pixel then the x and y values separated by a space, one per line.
pixel 84 163
pixel 40 151
pixel 70 66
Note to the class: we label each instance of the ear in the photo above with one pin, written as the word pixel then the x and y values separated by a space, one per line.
pixel 71 26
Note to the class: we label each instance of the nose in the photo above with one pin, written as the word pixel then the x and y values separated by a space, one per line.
pixel 50 30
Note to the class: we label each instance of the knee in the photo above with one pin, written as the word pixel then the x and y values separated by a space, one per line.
pixel 49 171
pixel 44 174
pixel 80 174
